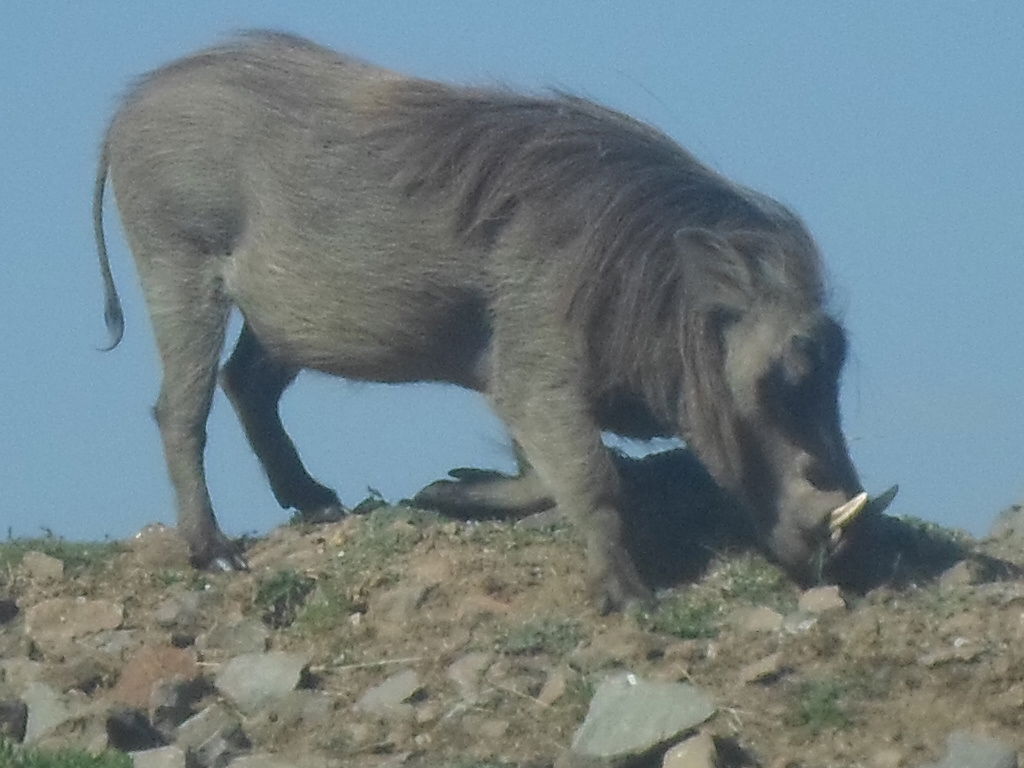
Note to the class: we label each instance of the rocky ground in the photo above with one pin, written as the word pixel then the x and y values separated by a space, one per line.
pixel 400 638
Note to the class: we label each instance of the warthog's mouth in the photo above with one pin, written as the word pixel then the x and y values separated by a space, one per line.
pixel 842 517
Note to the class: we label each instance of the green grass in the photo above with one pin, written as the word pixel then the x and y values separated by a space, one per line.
pixel 280 597
pixel 16 757
pixel 820 705
pixel 551 636
pixel 688 614
pixel 750 578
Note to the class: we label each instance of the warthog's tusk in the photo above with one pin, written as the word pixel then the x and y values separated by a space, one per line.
pixel 841 517
pixel 845 514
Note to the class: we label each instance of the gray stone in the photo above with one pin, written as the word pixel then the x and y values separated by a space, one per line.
pixel 171 701
pixel 47 710
pixel 819 600
pixel 179 611
pixel 164 757
pixel 630 717
pixel 467 671
pixel 41 567
pixel 696 752
pixel 211 730
pixel 245 636
pixel 61 619
pixel 760 618
pixel 388 697
pixel 967 750
pixel 762 670
pixel 253 680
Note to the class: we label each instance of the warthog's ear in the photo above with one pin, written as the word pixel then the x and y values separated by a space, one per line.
pixel 716 275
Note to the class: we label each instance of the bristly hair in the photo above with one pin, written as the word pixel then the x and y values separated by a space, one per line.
pixel 611 193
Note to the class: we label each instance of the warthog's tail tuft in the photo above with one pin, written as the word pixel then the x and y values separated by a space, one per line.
pixel 112 314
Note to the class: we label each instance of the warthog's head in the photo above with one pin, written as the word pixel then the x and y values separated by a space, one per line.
pixel 762 362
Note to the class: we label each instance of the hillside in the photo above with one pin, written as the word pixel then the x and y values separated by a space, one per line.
pixel 399 638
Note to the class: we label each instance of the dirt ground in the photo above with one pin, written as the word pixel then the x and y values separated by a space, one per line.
pixel 936 645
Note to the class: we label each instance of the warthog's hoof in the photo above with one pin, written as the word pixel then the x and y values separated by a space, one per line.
pixel 329 513
pixel 618 586
pixel 221 554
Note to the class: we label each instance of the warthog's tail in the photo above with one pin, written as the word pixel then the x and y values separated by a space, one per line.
pixel 112 314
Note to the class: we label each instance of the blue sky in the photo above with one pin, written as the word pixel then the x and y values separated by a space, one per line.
pixel 895 129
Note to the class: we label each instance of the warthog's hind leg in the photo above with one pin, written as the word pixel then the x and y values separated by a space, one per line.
pixel 254 383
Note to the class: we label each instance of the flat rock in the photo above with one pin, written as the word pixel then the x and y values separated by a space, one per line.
pixel 467 671
pixel 630 717
pixel 179 611
pixel 696 752
pixel 61 619
pixel 150 665
pixel 254 680
pixel 214 736
pixel 758 619
pixel 235 638
pixel 555 685
pixel 762 670
pixel 163 757
pixel 388 697
pixel 966 750
pixel 819 600
pixel 39 566
pixel 47 710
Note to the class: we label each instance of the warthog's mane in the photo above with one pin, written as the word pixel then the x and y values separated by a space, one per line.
pixel 609 195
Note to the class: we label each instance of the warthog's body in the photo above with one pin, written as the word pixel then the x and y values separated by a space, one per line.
pixel 576 266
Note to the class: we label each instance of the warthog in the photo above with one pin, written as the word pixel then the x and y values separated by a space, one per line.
pixel 574 265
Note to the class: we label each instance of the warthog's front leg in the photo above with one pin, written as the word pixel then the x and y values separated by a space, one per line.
pixel 547 413
pixel 486 494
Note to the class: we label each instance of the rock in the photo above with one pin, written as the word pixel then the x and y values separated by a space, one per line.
pixel 555 686
pixel 213 735
pixel 8 610
pixel 129 730
pixel 116 643
pixel 164 757
pixel 762 670
pixel 179 611
pixel 47 710
pixel 151 664
pixel 41 567
pixel 696 752
pixel 212 724
pixel 961 650
pixel 467 671
pixel 542 521
pixel 60 619
pixel 630 717
pixel 760 618
pixel 389 697
pixel 253 680
pixel 819 600
pixel 1009 523
pixel 236 638
pixel 966 750
pixel 83 673
pixel 887 758
pixel 158 547
pixel 391 611
pixel 261 761
pixel 13 720
pixel 18 672
pixel 171 701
